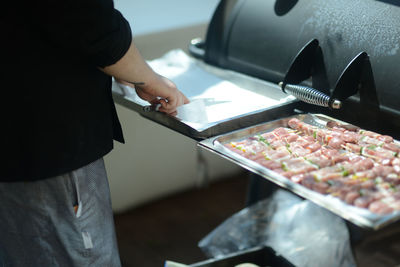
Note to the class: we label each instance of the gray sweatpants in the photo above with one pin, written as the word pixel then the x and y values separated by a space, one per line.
pixel 40 227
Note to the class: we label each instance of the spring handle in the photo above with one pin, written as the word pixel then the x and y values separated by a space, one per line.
pixel 310 95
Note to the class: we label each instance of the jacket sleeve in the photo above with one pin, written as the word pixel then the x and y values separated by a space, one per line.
pixel 93 28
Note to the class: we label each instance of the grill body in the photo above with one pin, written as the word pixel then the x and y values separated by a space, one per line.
pixel 262 38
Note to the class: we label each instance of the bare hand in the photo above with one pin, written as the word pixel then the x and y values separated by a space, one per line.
pixel 162 91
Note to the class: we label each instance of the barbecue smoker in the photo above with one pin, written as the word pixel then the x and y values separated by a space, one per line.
pixel 338 59
pixel 344 50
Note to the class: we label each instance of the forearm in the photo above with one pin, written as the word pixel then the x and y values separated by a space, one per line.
pixel 131 67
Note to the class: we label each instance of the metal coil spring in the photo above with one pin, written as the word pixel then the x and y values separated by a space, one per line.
pixel 308 95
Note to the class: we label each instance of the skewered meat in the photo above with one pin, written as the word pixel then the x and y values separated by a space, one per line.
pixel 360 167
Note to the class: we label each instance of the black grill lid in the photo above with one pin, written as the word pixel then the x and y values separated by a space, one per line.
pixel 261 38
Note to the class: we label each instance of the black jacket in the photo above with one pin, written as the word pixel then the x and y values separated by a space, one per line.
pixel 57 111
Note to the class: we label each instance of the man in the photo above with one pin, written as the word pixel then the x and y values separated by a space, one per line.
pixel 59 120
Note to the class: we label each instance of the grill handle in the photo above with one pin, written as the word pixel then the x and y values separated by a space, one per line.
pixel 197 48
pixel 310 95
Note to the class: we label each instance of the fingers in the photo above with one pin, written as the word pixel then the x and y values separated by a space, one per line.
pixel 146 96
pixel 173 113
pixel 167 107
pixel 161 91
pixel 185 99
pixel 173 102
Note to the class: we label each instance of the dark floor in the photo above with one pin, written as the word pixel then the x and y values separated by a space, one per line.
pixel 170 229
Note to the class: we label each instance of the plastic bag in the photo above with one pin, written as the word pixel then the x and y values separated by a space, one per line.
pixel 302 232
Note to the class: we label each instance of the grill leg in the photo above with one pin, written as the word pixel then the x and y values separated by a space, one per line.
pixel 259 188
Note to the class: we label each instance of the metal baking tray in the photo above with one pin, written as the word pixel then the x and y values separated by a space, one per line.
pixel 229 100
pixel 361 217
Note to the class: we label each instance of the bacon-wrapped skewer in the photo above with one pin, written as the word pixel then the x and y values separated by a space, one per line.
pixel 360 167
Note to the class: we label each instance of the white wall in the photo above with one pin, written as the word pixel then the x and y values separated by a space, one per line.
pixel 150 16
pixel 156 161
